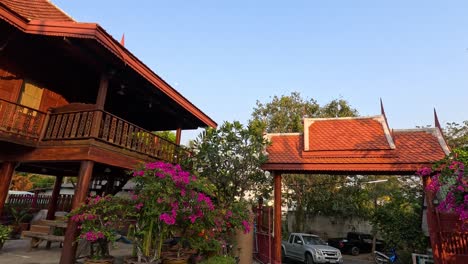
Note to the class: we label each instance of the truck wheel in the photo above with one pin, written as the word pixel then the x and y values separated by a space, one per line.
pixel 354 251
pixel 283 256
pixel 309 259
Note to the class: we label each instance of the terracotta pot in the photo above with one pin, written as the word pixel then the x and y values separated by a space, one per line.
pixel 134 260
pixel 176 260
pixel 109 260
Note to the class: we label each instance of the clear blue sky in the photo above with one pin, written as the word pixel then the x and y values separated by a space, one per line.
pixel 224 55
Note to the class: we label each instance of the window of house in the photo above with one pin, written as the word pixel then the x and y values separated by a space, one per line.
pixel 31 95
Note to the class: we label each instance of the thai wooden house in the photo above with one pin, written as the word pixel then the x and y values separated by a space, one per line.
pixel 75 102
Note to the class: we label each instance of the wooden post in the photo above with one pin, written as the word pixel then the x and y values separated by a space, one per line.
pixel 44 126
pixel 100 102
pixel 81 191
pixel 432 223
pixel 178 135
pixel 277 219
pixel 102 92
pixel 34 201
pixel 6 173
pixel 52 208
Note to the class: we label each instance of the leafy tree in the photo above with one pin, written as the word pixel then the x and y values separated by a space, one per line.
pixel 398 216
pixel 457 134
pixel 337 108
pixel 284 115
pixel 42 181
pixel 21 182
pixel 168 135
pixel 230 157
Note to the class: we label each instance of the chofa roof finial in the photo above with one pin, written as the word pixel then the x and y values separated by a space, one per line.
pixel 382 111
pixel 122 40
pixel 436 120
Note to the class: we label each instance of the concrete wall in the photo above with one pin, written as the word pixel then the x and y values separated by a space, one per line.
pixel 328 227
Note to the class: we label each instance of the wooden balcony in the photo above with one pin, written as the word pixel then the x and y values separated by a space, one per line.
pixel 76 125
pixel 25 126
pixel 20 124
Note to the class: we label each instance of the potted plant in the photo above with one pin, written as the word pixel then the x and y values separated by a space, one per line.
pixel 4 234
pixel 220 260
pixel 21 219
pixel 98 219
pixel 172 203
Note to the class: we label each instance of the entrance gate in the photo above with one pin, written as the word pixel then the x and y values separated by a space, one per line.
pixel 355 145
pixel 263 239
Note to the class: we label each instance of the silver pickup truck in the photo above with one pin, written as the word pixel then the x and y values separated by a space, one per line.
pixel 309 249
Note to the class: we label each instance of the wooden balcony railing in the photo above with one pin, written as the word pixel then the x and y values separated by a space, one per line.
pixel 113 130
pixel 20 121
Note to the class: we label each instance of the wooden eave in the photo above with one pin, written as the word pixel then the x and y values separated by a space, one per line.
pixel 345 169
pixel 96 32
pixel 81 150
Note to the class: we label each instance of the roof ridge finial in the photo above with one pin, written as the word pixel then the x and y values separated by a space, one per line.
pixel 122 40
pixel 382 110
pixel 436 120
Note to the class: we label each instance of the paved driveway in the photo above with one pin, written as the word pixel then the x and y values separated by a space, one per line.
pixel 348 259
pixel 361 259
pixel 17 252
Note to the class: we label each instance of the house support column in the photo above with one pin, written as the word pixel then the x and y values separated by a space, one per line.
pixel 7 170
pixel 100 102
pixel 277 219
pixel 81 191
pixel 178 136
pixel 52 208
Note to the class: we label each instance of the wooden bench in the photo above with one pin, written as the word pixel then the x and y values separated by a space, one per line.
pixel 43 231
pixel 38 237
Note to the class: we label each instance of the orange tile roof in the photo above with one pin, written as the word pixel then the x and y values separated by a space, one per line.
pixel 347 134
pixel 41 17
pixel 37 10
pixel 412 148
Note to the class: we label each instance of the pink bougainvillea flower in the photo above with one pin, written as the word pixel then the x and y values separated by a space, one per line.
pixel 167 218
pixel 246 226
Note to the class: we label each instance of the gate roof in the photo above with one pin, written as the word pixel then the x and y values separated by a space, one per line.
pixel 361 145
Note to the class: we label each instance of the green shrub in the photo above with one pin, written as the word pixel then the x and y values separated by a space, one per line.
pixel 219 260
pixel 4 234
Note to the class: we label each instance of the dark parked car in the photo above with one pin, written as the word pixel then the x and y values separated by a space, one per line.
pixel 355 243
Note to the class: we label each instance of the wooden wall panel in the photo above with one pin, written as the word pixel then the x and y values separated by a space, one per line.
pixel 51 99
pixel 10 85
